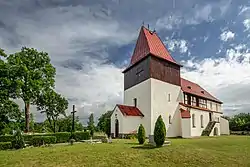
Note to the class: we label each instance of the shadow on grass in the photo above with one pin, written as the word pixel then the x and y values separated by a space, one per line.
pixel 132 143
pixel 145 146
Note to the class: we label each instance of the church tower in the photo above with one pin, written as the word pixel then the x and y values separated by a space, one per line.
pixel 152 82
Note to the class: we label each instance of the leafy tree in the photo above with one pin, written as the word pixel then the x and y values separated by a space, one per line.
pixel 240 122
pixel 9 112
pixel 141 134
pixel 91 125
pixel 104 123
pixel 65 124
pixel 32 122
pixel 53 105
pixel 159 132
pixel 30 73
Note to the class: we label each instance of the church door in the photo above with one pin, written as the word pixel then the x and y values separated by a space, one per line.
pixel 116 128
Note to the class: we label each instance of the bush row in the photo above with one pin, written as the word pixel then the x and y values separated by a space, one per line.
pixel 61 137
pixel 5 145
pixel 240 132
pixel 42 140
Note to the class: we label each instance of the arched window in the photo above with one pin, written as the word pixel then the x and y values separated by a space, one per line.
pixel 193 120
pixel 169 119
pixel 202 126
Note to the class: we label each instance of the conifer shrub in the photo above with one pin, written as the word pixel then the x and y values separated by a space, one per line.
pixel 159 132
pixel 141 134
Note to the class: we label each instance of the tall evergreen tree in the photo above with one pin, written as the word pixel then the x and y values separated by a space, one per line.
pixel 141 134
pixel 91 125
pixel 159 132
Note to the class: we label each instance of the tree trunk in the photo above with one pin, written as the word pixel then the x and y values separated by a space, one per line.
pixel 27 117
pixel 54 126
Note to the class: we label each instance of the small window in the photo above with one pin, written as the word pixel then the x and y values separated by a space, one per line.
pixel 135 102
pixel 216 107
pixel 202 126
pixel 193 120
pixel 211 106
pixel 170 119
pixel 169 97
pixel 189 87
pixel 193 101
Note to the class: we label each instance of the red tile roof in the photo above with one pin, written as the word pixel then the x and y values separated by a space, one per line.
pixel 185 113
pixel 195 89
pixel 149 43
pixel 130 110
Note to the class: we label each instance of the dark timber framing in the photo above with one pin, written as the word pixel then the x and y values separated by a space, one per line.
pixel 152 67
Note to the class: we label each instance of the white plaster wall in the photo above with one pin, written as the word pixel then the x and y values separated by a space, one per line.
pixel 197 130
pixel 120 119
pixel 161 106
pixel 127 124
pixel 216 117
pixel 186 127
pixel 142 92
pixel 224 126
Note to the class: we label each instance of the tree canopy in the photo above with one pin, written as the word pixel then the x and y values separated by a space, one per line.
pixel 104 123
pixel 30 73
pixel 53 105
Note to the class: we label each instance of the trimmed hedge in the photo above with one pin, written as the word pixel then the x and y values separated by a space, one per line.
pixel 5 145
pixel 61 137
pixel 82 136
pixel 41 140
pixel 6 138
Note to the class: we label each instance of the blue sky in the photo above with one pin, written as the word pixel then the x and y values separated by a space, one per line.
pixel 90 42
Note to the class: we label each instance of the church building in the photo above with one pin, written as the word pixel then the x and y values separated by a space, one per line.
pixel 153 86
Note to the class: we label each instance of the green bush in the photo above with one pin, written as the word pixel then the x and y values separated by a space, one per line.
pixel 43 140
pixel 159 132
pixel 81 136
pixel 18 141
pixel 6 138
pixel 5 145
pixel 62 137
pixel 141 134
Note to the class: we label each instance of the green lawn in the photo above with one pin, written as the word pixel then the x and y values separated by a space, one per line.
pixel 214 151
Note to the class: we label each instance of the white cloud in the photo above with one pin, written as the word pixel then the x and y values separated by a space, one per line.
pixel 246 23
pixel 95 90
pixel 76 42
pixel 175 44
pixel 196 15
pixel 227 78
pixel 244 10
pixel 227 35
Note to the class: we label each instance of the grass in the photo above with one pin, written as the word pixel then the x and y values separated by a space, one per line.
pixel 213 151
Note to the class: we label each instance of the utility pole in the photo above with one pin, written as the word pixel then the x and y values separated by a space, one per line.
pixel 73 120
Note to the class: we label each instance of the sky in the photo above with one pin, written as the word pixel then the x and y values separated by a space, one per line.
pixel 90 42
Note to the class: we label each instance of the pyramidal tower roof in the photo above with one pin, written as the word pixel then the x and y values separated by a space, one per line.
pixel 147 43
